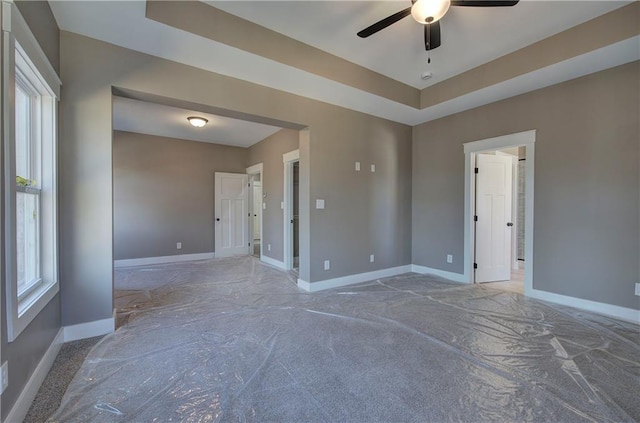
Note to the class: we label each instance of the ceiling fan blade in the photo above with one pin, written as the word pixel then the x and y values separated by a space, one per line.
pixel 484 3
pixel 432 36
pixel 380 25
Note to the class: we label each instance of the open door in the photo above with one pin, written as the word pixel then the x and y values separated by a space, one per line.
pixel 231 210
pixel 493 211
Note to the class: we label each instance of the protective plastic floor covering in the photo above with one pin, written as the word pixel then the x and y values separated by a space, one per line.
pixel 233 340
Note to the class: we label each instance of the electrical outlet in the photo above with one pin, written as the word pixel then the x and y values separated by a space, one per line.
pixel 358 166
pixel 319 204
pixel 282 205
pixel 449 258
pixel 373 168
pixel 372 258
pixel 327 265
pixel 268 247
pixel 4 375
pixel 638 289
pixel 178 245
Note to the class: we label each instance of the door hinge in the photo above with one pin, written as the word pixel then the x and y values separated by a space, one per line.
pixel 475 218
pixel 475 265
pixel 249 244
pixel 475 170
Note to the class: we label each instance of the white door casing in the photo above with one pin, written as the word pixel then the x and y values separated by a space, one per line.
pixel 257 208
pixel 231 209
pixel 493 208
pixel 525 139
pixel 288 159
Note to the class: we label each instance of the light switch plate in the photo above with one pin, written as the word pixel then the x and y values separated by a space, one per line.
pixel 638 289
pixel 282 205
pixel 358 166
pixel 327 265
pixel 319 204
pixel 264 206
pixel 373 168
pixel 372 258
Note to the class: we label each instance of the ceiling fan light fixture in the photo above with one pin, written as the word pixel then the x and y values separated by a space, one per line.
pixel 196 121
pixel 429 11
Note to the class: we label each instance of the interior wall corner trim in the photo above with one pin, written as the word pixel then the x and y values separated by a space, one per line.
pixel 145 261
pixel 454 277
pixel 623 313
pixel 21 407
pixel 352 279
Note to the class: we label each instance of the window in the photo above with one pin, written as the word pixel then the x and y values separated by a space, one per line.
pixel 27 102
pixel 30 175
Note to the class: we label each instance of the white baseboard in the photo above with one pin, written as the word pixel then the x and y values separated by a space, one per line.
pixel 145 261
pixel 23 403
pixel 272 262
pixel 89 329
pixel 352 279
pixel 455 277
pixel 618 312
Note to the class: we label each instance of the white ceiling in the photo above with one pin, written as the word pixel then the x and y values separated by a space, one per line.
pixel 156 119
pixel 471 36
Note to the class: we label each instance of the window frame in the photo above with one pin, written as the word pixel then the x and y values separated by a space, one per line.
pixel 23 307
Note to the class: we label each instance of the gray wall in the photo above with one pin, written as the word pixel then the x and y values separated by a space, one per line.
pixel 26 351
pixel 163 193
pixel 586 183
pixel 363 209
pixel 269 152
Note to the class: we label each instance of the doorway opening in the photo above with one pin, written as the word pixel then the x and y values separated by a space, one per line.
pixel 256 205
pixel 292 211
pixel 497 219
pixel 296 216
pixel 499 212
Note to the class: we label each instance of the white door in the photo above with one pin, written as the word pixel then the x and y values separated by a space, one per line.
pixel 493 209
pixel 231 209
pixel 257 208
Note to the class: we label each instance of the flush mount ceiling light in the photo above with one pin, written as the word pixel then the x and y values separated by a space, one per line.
pixel 429 11
pixel 196 121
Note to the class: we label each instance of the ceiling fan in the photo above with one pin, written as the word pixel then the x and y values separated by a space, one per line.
pixel 429 13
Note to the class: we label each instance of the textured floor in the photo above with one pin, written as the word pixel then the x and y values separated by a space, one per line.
pixel 65 366
pixel 230 340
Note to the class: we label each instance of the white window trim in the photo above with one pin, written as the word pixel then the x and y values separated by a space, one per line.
pixel 20 313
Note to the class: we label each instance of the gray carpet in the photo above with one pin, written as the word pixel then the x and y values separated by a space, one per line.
pixel 65 366
pixel 231 340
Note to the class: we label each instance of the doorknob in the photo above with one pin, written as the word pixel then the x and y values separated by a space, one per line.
pixel 217 219
pixel 509 223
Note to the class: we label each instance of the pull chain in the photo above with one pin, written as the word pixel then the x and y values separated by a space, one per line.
pixel 428 43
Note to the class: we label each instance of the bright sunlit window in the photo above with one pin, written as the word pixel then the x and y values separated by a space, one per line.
pixel 31 204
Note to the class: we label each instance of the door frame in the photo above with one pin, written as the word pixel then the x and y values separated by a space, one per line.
pixel 256 169
pixel 521 139
pixel 288 160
